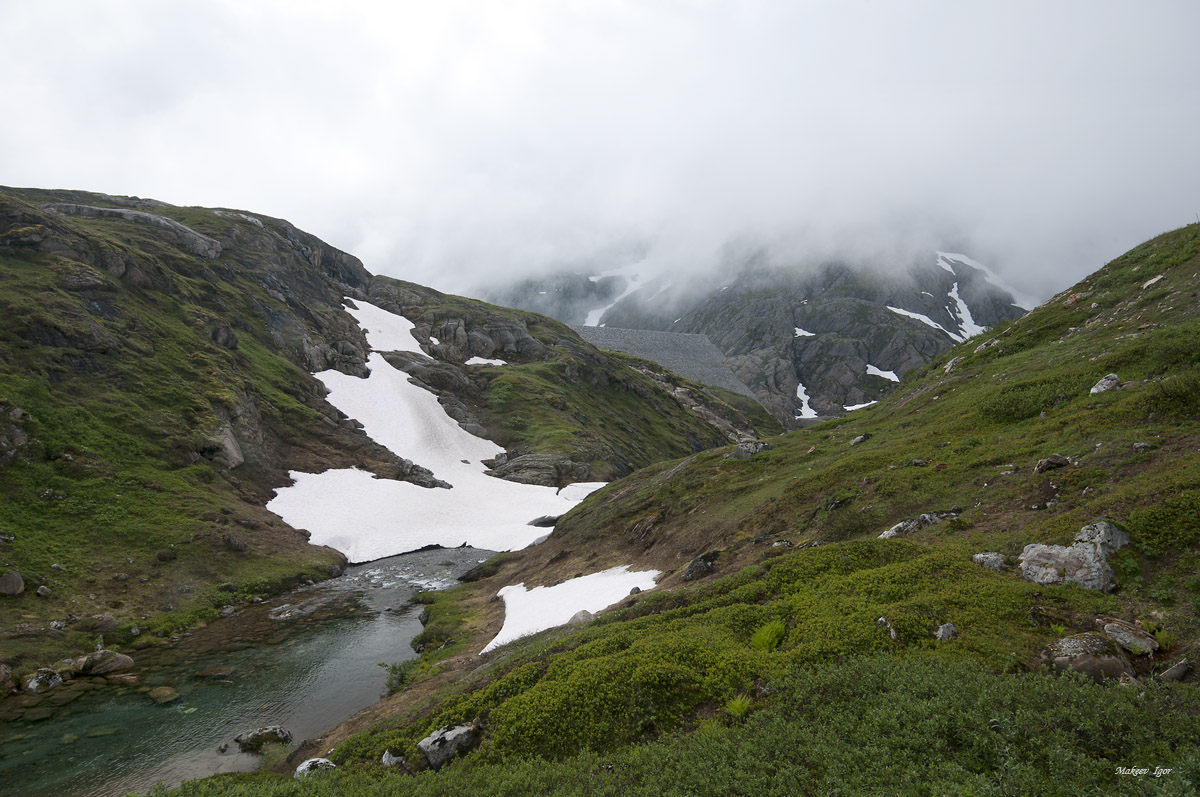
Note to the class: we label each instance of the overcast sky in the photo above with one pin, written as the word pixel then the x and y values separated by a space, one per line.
pixel 440 141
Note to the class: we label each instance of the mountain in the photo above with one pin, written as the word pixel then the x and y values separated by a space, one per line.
pixel 809 342
pixel 166 371
pixel 986 583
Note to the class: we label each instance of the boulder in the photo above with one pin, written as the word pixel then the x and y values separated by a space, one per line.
pixel 1106 384
pixel 1176 671
pixel 1092 654
pixel 45 679
pixel 701 566
pixel 43 591
pixel 1050 463
pixel 313 765
pixel 390 760
pixel 443 744
pixel 862 438
pixel 1136 640
pixel 1084 562
pixel 545 521
pixel 252 741
pixel 104 662
pixel 162 694
pixel 990 559
pixel 747 449
pixel 916 524
pixel 546 470
pixel 581 617
pixel 946 632
pixel 98 623
pixel 11 583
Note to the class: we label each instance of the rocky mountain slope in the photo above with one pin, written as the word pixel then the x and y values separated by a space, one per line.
pixel 810 343
pixel 986 582
pixel 156 387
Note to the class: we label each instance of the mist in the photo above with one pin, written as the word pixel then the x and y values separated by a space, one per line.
pixel 455 144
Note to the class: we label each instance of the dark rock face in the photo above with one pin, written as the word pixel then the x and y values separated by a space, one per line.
pixel 547 470
pixel 701 566
pixel 819 328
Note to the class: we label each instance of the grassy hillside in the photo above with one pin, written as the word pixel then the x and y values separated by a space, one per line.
pixel 773 674
pixel 139 363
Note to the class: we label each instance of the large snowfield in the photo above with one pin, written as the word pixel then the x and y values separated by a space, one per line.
pixel 367 518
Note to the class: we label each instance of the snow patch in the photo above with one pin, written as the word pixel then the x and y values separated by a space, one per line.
pixel 800 333
pixel 853 407
pixel 1020 298
pixel 924 319
pixel 527 611
pixel 805 410
pixel 434 341
pixel 367 518
pixel 873 371
pixel 965 322
pixel 385 331
pixel 484 361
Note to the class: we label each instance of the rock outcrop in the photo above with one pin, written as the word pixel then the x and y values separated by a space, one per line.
pixel 445 743
pixel 312 765
pixel 1093 654
pixel 1084 562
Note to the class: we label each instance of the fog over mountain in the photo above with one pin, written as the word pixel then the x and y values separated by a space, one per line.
pixel 449 142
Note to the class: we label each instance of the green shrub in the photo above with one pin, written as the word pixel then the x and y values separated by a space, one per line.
pixel 738 706
pixel 768 637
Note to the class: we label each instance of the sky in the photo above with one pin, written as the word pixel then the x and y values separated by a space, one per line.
pixel 453 143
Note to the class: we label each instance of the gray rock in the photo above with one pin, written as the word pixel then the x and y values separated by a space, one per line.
pixel 916 524
pixel 1093 654
pixel 451 740
pixel 11 583
pixel 581 617
pixel 58 567
pixel 233 543
pixel 1083 562
pixel 862 438
pixel 635 590
pixel 1106 384
pixel 313 765
pixel 701 566
pixel 183 236
pixel 98 623
pixel 1175 672
pixel 1136 640
pixel 946 632
pixel 546 470
pixel 950 366
pixel 45 679
pixel 252 741
pixel 43 591
pixel 105 662
pixel 1141 448
pixel 228 611
pixel 1051 463
pixel 991 559
pixel 390 760
pixel 747 449
pixel 545 521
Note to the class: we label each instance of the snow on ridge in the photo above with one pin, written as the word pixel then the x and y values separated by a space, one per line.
pixel 805 410
pixel 366 517
pixel 965 322
pixel 924 319
pixel 853 407
pixel 484 361
pixel 800 333
pixel 1020 298
pixel 873 371
pixel 527 611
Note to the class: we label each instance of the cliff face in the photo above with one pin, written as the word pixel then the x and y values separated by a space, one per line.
pixel 803 340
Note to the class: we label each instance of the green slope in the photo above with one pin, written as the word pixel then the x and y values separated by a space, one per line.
pixel 772 674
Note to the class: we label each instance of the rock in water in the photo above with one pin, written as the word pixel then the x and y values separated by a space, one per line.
pixel 104 662
pixel 252 741
pixel 313 765
pixel 442 745
pixel 1083 563
pixel 162 694
pixel 11 583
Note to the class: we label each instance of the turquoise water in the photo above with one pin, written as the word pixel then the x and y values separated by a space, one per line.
pixel 306 673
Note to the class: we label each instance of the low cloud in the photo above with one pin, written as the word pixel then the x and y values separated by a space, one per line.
pixel 453 143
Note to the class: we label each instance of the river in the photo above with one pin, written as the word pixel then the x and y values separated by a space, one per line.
pixel 306 672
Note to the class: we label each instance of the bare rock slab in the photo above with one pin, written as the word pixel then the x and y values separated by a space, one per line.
pixel 1084 562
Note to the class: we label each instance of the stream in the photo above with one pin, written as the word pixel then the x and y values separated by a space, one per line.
pixel 305 660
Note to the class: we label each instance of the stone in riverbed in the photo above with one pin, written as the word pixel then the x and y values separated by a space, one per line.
pixel 162 694
pixel 252 741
